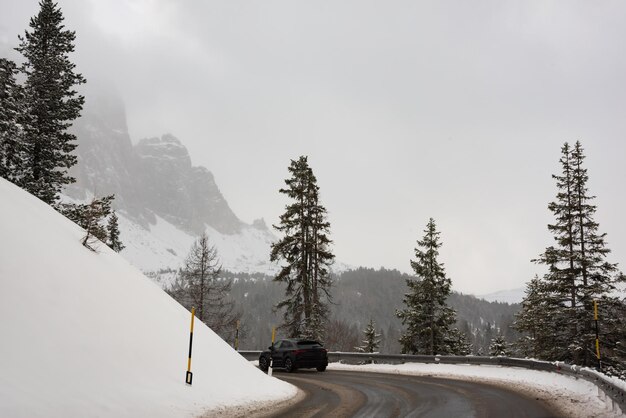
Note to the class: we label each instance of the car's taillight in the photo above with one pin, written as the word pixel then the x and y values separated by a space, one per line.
pixel 299 352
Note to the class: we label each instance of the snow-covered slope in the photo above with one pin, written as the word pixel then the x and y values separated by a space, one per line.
pixel 162 246
pixel 86 334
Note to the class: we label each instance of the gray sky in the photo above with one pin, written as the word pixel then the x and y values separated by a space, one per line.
pixel 407 110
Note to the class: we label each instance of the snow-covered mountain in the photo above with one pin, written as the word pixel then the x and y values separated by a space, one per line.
pixel 164 202
pixel 505 296
pixel 163 246
pixel 86 334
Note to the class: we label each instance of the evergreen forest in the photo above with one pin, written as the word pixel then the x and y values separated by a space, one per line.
pixel 359 295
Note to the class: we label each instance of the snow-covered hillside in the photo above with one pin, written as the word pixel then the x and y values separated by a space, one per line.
pixel 86 334
pixel 165 246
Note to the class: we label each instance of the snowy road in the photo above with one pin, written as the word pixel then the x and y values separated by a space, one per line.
pixel 357 394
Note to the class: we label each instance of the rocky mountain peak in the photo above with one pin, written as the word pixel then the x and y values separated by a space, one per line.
pixel 260 224
pixel 153 178
pixel 165 148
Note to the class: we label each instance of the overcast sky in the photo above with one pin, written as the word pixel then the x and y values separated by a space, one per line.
pixel 407 110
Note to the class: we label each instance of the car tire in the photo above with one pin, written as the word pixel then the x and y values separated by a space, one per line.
pixel 321 368
pixel 289 367
pixel 264 364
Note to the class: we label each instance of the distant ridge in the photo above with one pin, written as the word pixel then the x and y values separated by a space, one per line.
pixel 505 296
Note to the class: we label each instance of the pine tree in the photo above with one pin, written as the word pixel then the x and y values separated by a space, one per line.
pixel 51 102
pixel 612 333
pixel 537 320
pixel 427 317
pixel 198 285
pixel 305 248
pixel 597 276
pixel 11 112
pixel 457 343
pixel 464 344
pixel 90 217
pixel 114 234
pixel 372 339
pixel 499 347
pixel 578 272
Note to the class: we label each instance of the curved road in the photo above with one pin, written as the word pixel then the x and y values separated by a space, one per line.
pixel 337 393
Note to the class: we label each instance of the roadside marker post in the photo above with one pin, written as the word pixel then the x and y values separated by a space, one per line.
pixel 595 318
pixel 189 375
pixel 237 337
pixel 269 371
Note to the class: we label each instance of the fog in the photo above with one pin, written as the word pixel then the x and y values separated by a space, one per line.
pixel 407 110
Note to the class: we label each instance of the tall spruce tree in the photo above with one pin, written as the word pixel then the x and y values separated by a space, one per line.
pixel 427 317
pixel 305 249
pixel 11 113
pixel 597 276
pixel 51 102
pixel 578 272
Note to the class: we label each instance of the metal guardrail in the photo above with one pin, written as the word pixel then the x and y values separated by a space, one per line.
pixel 616 394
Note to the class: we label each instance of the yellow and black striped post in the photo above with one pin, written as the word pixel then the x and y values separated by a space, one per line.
pixel 595 318
pixel 189 375
pixel 271 368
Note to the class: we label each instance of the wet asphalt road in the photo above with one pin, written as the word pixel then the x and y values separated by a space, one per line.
pixel 357 394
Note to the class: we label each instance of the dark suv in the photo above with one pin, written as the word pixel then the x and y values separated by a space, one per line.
pixel 292 354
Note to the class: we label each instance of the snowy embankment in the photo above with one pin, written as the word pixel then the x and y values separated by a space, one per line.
pixel 86 334
pixel 570 396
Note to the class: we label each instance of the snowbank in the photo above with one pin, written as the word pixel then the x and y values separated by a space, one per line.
pixel 572 397
pixel 86 334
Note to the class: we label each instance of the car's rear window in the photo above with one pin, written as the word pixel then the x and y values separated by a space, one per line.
pixel 308 344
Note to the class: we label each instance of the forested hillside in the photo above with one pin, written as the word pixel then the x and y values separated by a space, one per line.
pixel 358 296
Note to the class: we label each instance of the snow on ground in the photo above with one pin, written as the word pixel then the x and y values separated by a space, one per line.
pixel 162 246
pixel 572 397
pixel 246 252
pixel 86 334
